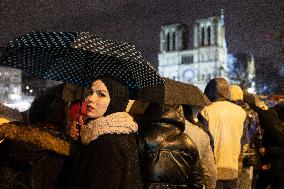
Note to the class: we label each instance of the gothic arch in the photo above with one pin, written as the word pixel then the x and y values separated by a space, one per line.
pixel 174 41
pixel 168 41
pixel 202 36
pixel 209 35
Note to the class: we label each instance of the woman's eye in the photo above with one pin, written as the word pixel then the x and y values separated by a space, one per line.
pixel 101 95
pixel 90 92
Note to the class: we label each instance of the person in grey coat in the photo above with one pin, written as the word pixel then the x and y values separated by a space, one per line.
pixel 202 142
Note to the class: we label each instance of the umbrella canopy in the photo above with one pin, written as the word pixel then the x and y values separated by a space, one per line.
pixel 78 58
pixel 173 92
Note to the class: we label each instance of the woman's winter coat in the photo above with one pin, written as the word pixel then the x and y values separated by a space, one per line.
pixel 31 158
pixel 169 158
pixel 109 158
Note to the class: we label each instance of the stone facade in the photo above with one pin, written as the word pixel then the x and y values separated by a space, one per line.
pixel 10 85
pixel 207 59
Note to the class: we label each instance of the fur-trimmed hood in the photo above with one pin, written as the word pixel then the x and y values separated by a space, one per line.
pixel 34 136
pixel 10 113
pixel 116 123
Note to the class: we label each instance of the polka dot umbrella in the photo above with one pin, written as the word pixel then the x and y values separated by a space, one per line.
pixel 79 58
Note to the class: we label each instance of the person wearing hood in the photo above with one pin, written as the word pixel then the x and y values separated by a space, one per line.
pixel 33 154
pixel 108 157
pixel 249 164
pixel 251 126
pixel 168 157
pixel 225 122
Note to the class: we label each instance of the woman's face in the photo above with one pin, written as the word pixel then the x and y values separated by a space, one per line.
pixel 98 100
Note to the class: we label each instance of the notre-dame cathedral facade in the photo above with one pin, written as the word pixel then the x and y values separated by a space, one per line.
pixel 207 59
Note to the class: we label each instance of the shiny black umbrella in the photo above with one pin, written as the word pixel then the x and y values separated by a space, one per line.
pixel 173 92
pixel 78 58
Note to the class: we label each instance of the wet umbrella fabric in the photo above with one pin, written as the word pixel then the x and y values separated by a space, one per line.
pixel 173 92
pixel 78 58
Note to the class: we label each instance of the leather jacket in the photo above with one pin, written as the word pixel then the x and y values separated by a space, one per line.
pixel 169 158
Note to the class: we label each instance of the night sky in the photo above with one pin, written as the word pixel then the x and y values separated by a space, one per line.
pixel 251 25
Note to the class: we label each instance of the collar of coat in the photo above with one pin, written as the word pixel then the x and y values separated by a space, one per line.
pixel 26 134
pixel 116 123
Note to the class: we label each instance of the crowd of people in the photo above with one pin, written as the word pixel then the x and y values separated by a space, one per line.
pixel 99 142
pixel 98 138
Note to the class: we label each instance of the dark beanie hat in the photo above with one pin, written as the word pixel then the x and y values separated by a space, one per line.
pixel 119 96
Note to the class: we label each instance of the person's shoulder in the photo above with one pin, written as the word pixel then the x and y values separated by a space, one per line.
pixel 237 107
pixel 115 139
pixel 224 105
pixel 187 143
pixel 216 104
pixel 237 110
pixel 107 143
pixel 193 128
pixel 198 134
pixel 188 146
pixel 232 105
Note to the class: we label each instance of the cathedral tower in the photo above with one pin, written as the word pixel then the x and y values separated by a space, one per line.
pixel 207 59
pixel 209 32
pixel 173 37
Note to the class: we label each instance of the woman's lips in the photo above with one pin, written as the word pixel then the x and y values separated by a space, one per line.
pixel 90 108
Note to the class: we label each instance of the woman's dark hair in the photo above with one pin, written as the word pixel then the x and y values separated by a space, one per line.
pixel 48 108
pixel 119 95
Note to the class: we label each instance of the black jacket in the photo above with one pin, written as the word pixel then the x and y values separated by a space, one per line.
pixel 169 158
pixel 273 141
pixel 111 161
